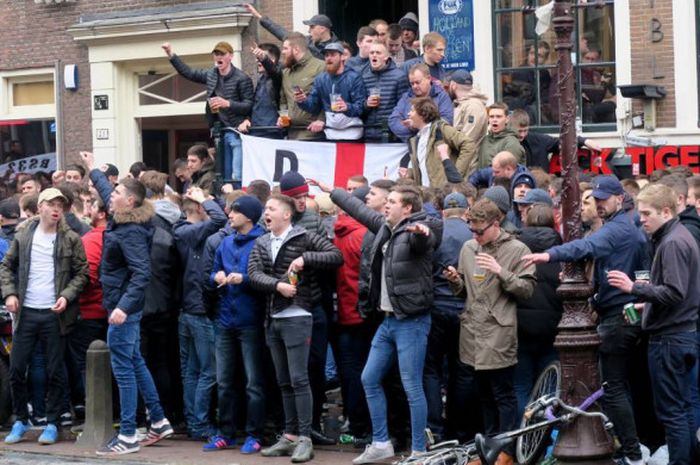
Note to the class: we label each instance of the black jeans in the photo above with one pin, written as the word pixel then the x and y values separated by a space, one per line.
pixel 317 363
pixel 499 406
pixel 618 343
pixel 467 419
pixel 78 342
pixel 443 350
pixel 157 330
pixel 34 326
pixel 289 340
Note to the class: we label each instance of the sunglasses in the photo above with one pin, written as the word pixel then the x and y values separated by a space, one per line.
pixel 480 232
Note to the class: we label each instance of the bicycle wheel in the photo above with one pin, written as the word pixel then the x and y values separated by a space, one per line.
pixel 530 445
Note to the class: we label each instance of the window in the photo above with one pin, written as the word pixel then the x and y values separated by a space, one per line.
pixel 697 47
pixel 159 88
pixel 526 64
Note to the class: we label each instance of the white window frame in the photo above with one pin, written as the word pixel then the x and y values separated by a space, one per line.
pixel 9 111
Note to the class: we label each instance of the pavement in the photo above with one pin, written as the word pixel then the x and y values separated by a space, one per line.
pixel 176 451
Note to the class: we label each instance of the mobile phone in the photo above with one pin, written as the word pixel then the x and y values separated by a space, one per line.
pixel 444 265
pixel 297 89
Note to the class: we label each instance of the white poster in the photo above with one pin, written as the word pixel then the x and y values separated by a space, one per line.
pixel 44 162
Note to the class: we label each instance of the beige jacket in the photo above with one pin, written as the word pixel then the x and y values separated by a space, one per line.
pixel 470 116
pixel 488 337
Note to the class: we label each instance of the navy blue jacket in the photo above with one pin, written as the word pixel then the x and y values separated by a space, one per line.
pixel 400 113
pixel 455 233
pixel 190 239
pixel 266 101
pixel 393 84
pixel 358 63
pixel 437 72
pixel 617 245
pixel 484 177
pixel 239 306
pixel 349 85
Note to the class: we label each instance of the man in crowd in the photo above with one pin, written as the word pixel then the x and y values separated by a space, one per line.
pixel 493 278
pixel 434 45
pixel 394 43
pixel 340 93
pixel 282 265
pixel 470 106
pixel 196 330
pixel 230 100
pixel 383 75
pixel 669 316
pixel 503 165
pixel 9 218
pixel 31 186
pixel 409 30
pixel 401 286
pixel 201 168
pixel 421 86
pixel 499 137
pixel 366 36
pixel 266 100
pixel 617 245
pixel 239 330
pixel 41 277
pixel 75 174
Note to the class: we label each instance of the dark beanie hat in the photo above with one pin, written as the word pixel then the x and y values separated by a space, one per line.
pixel 249 206
pixel 293 184
pixel 498 195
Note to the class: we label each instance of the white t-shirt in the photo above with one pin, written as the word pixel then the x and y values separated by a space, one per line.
pixel 41 290
pixel 422 153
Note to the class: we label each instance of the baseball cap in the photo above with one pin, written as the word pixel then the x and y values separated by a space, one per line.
pixel 49 194
pixel 319 20
pixel 535 196
pixel 9 208
pixel 455 200
pixel 222 47
pixel 333 47
pixel 605 186
pixel 462 76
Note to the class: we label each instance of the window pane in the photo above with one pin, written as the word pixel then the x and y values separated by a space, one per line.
pixel 32 93
pixel 176 88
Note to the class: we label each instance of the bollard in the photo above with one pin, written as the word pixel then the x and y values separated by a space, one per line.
pixel 98 427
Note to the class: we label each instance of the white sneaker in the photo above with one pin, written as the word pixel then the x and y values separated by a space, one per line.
pixel 374 454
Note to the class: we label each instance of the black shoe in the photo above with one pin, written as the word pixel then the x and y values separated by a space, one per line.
pixel 321 439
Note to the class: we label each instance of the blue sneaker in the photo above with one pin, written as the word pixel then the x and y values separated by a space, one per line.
pixel 251 446
pixel 218 443
pixel 49 436
pixel 18 430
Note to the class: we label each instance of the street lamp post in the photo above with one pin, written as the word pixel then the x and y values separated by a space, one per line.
pixel 585 439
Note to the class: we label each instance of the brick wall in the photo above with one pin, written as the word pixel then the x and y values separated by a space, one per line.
pixel 34 36
pixel 652 53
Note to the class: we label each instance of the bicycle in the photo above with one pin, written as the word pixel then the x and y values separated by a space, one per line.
pixel 539 418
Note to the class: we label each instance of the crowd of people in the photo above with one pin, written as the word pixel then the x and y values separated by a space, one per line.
pixel 434 290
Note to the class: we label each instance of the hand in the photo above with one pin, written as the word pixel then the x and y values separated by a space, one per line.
pixel 444 151
pixel 60 305
pixel 339 105
pixel 168 49
pixel 57 177
pixel 321 185
pixel 372 101
pixel 287 290
pixel 251 9
pixel 620 280
pixel 89 159
pixel 12 303
pixel 488 263
pixel 195 194
pixel 244 126
pixel 299 97
pixel 407 123
pixel 403 172
pixel 593 145
pixel 259 53
pixel 451 274
pixel 297 265
pixel 227 188
pixel 418 228
pixel 534 258
pixel 220 278
pixel 316 126
pixel 117 317
pixel 218 102
pixel 234 278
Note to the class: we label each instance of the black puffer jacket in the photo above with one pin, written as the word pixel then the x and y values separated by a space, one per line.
pixel 319 254
pixel 163 291
pixel 539 315
pixel 408 260
pixel 238 90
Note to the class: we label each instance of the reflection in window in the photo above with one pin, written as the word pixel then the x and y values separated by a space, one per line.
pixel 526 64
pixel 19 139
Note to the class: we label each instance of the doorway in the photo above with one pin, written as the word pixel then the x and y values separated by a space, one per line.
pixel 166 138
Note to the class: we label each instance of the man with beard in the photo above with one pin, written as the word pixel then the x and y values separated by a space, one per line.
pixel 349 94
pixel 617 245
pixel 382 74
pixel 300 70
pixel 230 101
pixel 421 86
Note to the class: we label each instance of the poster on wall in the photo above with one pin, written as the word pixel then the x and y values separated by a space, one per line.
pixel 45 162
pixel 454 19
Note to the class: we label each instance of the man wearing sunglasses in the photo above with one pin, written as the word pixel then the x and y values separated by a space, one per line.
pixel 492 277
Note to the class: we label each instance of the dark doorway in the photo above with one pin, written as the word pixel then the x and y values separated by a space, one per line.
pixel 348 16
pixel 155 149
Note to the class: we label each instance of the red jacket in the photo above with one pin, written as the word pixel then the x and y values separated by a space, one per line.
pixel 91 298
pixel 348 238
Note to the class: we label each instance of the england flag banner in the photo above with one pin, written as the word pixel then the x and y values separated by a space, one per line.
pixel 329 162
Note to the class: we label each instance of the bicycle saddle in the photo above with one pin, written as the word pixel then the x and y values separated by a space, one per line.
pixel 489 448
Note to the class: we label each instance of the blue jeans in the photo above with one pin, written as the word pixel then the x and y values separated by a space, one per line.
pixel 198 367
pixel 232 345
pixel 233 156
pixel 132 376
pixel 672 358
pixel 407 338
